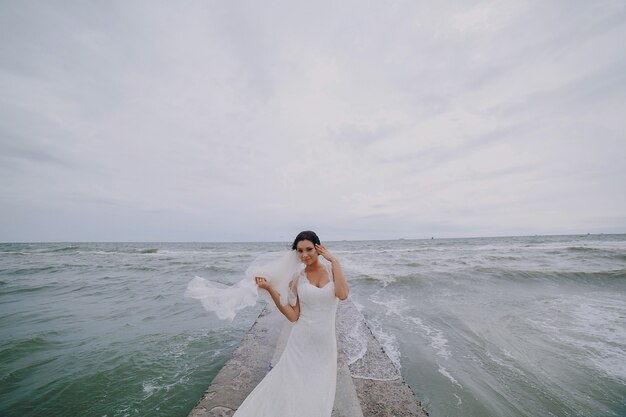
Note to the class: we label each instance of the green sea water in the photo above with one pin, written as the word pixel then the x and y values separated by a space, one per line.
pixel 522 326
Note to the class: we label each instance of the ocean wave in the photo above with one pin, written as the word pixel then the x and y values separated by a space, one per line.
pixel 436 338
pixel 22 347
pixel 582 249
pixel 101 249
pixel 16 253
pixel 69 248
pixel 140 268
pixel 366 278
pixel 43 269
pixel 538 275
pixel 353 342
pixel 617 274
pixel 27 344
pixel 587 277
pixel 443 371
pixel 24 290
pixel 30 271
pixel 118 250
pixel 149 250
pixel 388 341
pixel 221 270
pixel 140 251
pixel 411 279
pixel 486 273
pixel 498 258
pixel 604 252
pixel 390 280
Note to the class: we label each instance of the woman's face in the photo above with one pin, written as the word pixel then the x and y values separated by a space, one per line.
pixel 306 252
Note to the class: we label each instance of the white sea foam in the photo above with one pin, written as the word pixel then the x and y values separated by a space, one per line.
pixel 354 342
pixel 366 266
pixel 398 307
pixel 358 305
pixel 393 306
pixel 495 359
pixel 436 338
pixel 389 342
pixel 597 328
pixel 443 371
pixel 149 388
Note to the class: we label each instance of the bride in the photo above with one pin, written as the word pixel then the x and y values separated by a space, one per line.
pixel 303 381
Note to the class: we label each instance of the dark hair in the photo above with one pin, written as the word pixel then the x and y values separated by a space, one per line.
pixel 306 235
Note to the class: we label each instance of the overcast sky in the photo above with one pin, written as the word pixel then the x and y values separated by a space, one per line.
pixel 250 121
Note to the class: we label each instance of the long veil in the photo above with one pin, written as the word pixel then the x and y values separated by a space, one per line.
pixel 279 268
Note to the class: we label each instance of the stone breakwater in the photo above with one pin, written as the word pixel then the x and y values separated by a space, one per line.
pixel 368 383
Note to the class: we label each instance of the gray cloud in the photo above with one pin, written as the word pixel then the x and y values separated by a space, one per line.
pixel 247 121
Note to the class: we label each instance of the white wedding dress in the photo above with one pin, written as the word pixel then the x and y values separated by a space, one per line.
pixel 302 383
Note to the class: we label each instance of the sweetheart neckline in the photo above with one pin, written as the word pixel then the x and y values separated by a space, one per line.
pixel 315 286
pixel 309 282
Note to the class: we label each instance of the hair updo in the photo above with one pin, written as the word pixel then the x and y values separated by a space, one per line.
pixel 306 235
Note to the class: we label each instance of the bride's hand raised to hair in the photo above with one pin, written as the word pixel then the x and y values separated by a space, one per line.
pixel 321 249
pixel 262 283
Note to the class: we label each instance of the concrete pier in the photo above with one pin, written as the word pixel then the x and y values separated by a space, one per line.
pixel 368 384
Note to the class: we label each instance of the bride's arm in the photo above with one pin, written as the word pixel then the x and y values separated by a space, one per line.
pixel 292 313
pixel 341 285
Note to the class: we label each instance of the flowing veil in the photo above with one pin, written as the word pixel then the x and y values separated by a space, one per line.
pixel 279 268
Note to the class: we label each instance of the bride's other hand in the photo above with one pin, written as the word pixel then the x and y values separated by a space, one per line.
pixel 321 249
pixel 262 283
pixel 292 313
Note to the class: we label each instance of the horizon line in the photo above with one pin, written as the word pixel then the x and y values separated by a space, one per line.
pixel 330 240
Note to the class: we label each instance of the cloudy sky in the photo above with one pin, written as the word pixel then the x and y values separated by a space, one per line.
pixel 252 120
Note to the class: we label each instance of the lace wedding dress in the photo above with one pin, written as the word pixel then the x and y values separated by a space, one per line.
pixel 302 383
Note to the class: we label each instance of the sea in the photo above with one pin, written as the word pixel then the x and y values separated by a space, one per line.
pixel 478 327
